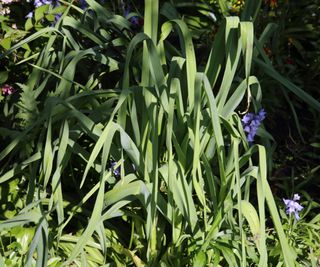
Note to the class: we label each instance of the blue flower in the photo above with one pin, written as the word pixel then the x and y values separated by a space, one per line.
pixel 251 123
pixel 292 206
pixel 29 15
pixel 135 20
pixel 115 171
pixel 38 3
pixel 261 115
pixel 83 4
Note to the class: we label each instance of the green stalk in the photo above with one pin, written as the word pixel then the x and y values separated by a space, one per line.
pixel 235 142
pixel 151 30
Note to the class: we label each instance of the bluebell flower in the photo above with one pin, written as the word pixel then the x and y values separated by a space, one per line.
pixel 115 171
pixel 292 206
pixel 251 123
pixel 29 15
pixel 135 20
pixel 38 3
pixel 83 4
pixel 56 18
pixel 261 114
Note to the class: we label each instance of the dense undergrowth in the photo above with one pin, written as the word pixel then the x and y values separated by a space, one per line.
pixel 159 133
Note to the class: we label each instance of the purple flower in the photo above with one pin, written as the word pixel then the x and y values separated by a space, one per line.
pixel 115 171
pixel 56 18
pixel 29 15
pixel 292 206
pixel 7 90
pixel 251 123
pixel 38 3
pixel 135 20
pixel 83 4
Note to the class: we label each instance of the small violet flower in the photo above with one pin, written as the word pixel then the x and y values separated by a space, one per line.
pixel 38 3
pixel 135 20
pixel 292 206
pixel 115 171
pixel 251 123
pixel 7 90
pixel 83 4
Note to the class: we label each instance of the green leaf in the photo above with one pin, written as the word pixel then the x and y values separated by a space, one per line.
pixel 40 12
pixel 3 76
pixel 28 24
pixel 58 10
pixel 21 219
pixel 200 259
pixel 251 215
pixel 5 43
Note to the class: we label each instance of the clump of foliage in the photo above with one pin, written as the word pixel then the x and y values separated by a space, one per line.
pixel 124 149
